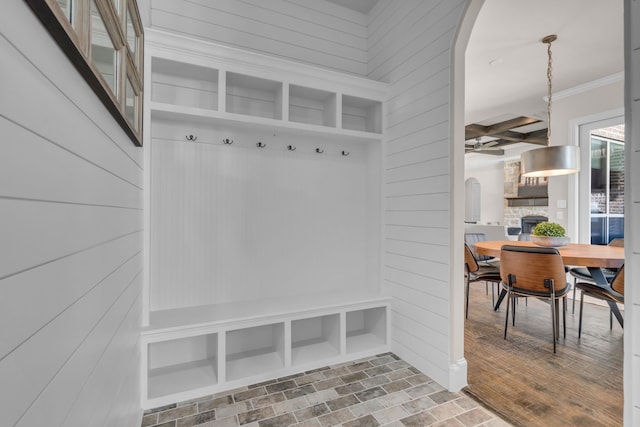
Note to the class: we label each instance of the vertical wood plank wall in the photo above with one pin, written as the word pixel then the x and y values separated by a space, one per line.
pixel 410 48
pixel 310 31
pixel 632 214
pixel 70 241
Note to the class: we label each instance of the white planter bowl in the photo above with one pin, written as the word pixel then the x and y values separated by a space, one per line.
pixel 552 242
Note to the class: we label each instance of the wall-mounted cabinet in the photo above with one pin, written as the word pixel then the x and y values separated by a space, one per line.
pixel 263 216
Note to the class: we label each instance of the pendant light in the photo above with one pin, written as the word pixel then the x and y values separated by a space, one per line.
pixel 550 161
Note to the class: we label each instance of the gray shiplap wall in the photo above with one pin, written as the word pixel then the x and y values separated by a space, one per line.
pixel 410 47
pixel 632 214
pixel 70 241
pixel 314 32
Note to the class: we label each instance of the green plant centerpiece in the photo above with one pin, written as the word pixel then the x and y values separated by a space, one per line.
pixel 549 234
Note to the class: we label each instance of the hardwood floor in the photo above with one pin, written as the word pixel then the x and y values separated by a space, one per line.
pixel 525 383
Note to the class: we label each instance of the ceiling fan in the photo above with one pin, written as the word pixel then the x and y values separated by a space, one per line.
pixel 484 148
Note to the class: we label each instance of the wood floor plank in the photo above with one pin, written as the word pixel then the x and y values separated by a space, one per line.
pixel 524 382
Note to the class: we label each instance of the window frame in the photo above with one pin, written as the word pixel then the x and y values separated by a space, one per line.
pixel 74 38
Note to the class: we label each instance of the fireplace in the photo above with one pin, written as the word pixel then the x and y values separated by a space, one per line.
pixel 528 222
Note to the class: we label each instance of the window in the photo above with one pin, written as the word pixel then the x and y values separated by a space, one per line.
pixel 103 39
pixel 607 185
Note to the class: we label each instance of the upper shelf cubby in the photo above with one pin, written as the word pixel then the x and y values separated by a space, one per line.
pixel 361 114
pixel 312 106
pixel 185 84
pixel 226 86
pixel 253 96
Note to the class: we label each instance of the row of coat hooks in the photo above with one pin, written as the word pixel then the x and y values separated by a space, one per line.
pixel 260 144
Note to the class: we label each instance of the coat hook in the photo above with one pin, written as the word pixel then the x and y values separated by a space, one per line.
pixel 319 151
pixel 191 138
pixel 260 144
pixel 345 153
pixel 291 148
pixel 227 141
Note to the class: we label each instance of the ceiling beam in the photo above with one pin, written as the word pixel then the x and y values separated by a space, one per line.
pixel 505 133
pixel 480 130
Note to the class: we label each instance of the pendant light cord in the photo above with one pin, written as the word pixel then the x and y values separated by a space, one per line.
pixel 548 40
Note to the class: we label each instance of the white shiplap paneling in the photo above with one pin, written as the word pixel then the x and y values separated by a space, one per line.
pixel 314 32
pixel 71 241
pixel 410 48
pixel 632 215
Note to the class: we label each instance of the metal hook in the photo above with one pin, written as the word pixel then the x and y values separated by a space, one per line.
pixel 227 141
pixel 345 153
pixel 191 138
pixel 291 148
pixel 319 151
pixel 259 144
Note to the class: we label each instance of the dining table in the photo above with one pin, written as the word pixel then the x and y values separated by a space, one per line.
pixel 593 257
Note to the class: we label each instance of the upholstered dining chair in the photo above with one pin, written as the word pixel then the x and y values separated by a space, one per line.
pixel 614 292
pixel 583 274
pixel 476 273
pixel 534 272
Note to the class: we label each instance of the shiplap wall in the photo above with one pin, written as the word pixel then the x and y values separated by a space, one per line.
pixel 632 215
pixel 310 31
pixel 410 47
pixel 70 242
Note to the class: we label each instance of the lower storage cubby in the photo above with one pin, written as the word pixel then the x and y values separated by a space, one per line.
pixel 366 329
pixel 314 339
pixel 203 350
pixel 254 351
pixel 183 364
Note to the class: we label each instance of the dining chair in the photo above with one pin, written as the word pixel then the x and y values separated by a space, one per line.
pixel 614 293
pixel 583 274
pixel 470 238
pixel 476 273
pixel 534 272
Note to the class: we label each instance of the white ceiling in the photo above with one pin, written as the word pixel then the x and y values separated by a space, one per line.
pixel 506 61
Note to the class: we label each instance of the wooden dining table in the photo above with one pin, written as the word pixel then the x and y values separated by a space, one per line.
pixel 593 257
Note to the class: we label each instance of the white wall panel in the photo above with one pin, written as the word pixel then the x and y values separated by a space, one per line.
pixel 632 214
pixel 32 95
pixel 410 48
pixel 36 232
pixel 434 235
pixel 259 223
pixel 410 287
pixel 425 34
pixel 80 272
pixel 425 139
pixel 66 380
pixel 23 176
pixel 318 33
pixel 71 241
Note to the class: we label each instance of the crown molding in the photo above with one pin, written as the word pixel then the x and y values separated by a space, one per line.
pixel 586 87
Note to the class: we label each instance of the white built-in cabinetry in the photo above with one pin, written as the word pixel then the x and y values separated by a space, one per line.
pixel 263 215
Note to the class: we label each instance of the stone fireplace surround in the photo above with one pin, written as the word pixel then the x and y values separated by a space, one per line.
pixel 513 214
